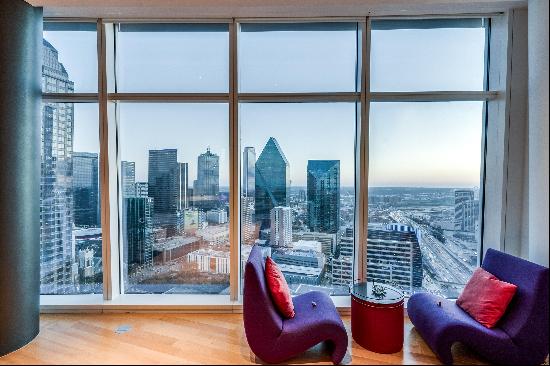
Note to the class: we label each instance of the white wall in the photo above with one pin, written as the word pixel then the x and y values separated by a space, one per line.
pixel 538 131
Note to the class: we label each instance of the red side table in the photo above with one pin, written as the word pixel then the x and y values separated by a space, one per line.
pixel 377 323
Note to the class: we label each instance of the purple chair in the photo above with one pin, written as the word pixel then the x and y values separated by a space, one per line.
pixel 521 335
pixel 274 339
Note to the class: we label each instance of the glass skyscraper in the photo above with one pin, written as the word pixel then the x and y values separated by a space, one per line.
pixel 56 183
pixel 207 186
pixel 162 179
pixel 86 189
pixel 323 195
pixel 128 178
pixel 138 226
pixel 272 181
pixel 249 172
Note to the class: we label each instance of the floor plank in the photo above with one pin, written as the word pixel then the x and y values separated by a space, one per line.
pixel 186 339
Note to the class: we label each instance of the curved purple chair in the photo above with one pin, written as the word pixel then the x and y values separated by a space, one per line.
pixel 521 335
pixel 274 339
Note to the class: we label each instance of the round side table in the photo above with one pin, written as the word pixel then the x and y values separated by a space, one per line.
pixel 377 322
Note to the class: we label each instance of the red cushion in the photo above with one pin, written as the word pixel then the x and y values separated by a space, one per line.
pixel 486 298
pixel 280 293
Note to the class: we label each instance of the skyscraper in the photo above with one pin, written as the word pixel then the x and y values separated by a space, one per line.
pixel 323 195
pixel 128 178
pixel 207 185
pixel 249 172
pixel 86 189
pixel 272 181
pixel 138 226
pixel 162 179
pixel 393 254
pixel 465 210
pixel 56 186
pixel 281 227
pixel 183 186
pixel 142 189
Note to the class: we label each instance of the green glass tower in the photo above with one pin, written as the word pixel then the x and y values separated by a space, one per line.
pixel 272 183
pixel 323 195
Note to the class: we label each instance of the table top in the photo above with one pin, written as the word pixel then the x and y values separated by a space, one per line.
pixel 363 291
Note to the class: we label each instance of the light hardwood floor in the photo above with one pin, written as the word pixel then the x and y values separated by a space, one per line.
pixel 185 339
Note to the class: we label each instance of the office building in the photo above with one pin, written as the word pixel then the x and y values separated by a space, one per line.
pixel 465 210
pixel 323 195
pixel 248 184
pixel 217 216
pixel 86 189
pixel 182 177
pixel 128 178
pixel 56 179
pixel 281 227
pixel 138 228
pixel 206 187
pixel 162 179
pixel 142 189
pixel 393 255
pixel 328 241
pixel 248 224
pixel 272 182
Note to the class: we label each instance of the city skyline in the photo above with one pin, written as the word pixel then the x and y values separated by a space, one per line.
pixel 467 41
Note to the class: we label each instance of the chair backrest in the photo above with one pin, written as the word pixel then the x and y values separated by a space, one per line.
pixel 526 319
pixel 262 322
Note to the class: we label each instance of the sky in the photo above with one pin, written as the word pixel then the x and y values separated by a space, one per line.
pixel 411 144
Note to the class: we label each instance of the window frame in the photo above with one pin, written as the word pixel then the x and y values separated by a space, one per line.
pixel 108 99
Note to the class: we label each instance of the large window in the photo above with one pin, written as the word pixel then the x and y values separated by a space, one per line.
pixel 345 149
pixel 425 158
pixel 70 220
pixel 298 190
pixel 175 197
pixel 174 159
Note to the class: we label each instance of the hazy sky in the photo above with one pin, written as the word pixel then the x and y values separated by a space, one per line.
pixel 411 144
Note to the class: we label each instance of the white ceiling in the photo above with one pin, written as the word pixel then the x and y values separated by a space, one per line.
pixel 265 8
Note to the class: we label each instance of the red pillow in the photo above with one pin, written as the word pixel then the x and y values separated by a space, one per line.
pixel 278 288
pixel 486 298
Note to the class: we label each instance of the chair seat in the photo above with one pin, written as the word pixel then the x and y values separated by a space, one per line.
pixel 322 314
pixel 441 326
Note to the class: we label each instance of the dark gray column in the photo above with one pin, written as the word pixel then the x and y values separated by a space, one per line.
pixel 20 79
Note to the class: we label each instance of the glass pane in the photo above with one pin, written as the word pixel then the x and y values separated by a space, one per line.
pixel 69 55
pixel 173 58
pixel 424 187
pixel 298 203
pixel 278 58
pixel 175 198
pixel 70 221
pixel 428 55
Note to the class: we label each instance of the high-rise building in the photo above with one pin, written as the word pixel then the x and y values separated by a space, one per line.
pixel 323 195
pixel 206 187
pixel 57 254
pixel 162 179
pixel 281 227
pixel 138 226
pixel 217 216
pixel 342 266
pixel 465 210
pixel 328 241
pixel 128 178
pixel 272 181
pixel 142 189
pixel 249 172
pixel 183 186
pixel 393 254
pixel 248 226
pixel 86 189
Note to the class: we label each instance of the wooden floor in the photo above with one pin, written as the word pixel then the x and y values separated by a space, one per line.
pixel 184 339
